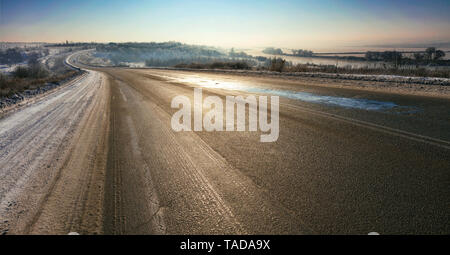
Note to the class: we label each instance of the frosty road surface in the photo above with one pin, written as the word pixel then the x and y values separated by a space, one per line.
pixel 45 152
pixel 99 156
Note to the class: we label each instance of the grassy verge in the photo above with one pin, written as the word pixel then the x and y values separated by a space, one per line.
pixel 14 85
pixel 281 65
pixel 217 65
pixel 415 72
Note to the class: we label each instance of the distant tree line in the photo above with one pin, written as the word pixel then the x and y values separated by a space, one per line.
pixel 171 54
pixel 167 51
pixel 388 56
pixel 295 52
pixel 273 51
pixel 234 54
pixel 302 53
pixel 206 62
pixel 83 45
pixel 15 55
pixel 431 54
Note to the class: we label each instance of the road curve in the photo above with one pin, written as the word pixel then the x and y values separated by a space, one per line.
pixel 99 156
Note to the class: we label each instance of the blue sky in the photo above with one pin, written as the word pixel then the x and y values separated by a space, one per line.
pixel 228 23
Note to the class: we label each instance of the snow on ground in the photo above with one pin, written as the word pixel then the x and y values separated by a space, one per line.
pixel 7 69
pixel 32 139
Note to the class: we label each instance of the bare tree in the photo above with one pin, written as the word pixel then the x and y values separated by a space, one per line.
pixel 419 56
pixel 277 64
pixel 439 54
pixel 430 52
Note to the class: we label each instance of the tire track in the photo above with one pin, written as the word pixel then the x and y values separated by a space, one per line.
pixel 37 143
pixel 181 163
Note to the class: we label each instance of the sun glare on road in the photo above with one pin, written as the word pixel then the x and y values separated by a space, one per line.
pixel 213 83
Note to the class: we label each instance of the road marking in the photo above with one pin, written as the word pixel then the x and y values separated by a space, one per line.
pixel 392 131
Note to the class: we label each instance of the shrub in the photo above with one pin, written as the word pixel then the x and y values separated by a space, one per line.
pixel 32 71
pixel 277 64
pixel 239 65
pixel 21 72
pixel 11 56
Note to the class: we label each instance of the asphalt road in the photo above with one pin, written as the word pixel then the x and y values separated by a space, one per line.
pixel 333 169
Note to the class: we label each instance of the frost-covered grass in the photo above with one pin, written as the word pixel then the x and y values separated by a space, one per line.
pixel 240 65
pixel 12 85
pixel 410 72
pixel 49 69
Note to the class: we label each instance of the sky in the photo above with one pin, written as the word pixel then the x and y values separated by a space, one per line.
pixel 231 23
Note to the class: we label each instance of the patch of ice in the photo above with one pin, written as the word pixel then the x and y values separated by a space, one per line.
pixel 346 102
